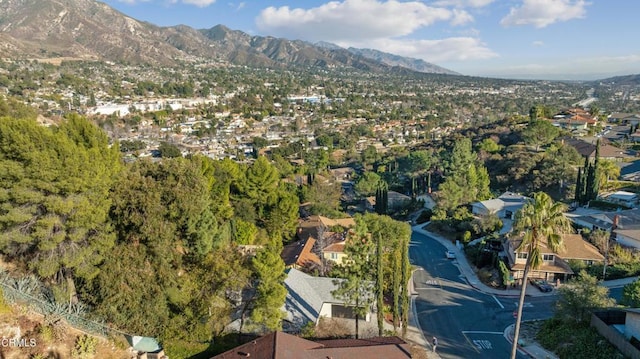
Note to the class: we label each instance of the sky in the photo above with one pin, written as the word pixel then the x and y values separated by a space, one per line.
pixel 539 39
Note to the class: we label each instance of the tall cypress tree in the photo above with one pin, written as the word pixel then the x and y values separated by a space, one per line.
pixel 595 185
pixel 379 284
pixel 579 186
pixel 588 181
pixel 385 200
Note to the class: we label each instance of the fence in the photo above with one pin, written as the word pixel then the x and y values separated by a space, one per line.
pixel 603 322
pixel 30 292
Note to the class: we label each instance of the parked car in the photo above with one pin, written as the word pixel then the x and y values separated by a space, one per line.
pixel 450 254
pixel 542 285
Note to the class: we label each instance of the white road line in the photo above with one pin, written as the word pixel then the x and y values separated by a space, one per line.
pixel 500 304
pixel 480 332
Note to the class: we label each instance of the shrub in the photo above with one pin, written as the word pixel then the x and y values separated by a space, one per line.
pixel 4 306
pixel 85 347
pixel 575 340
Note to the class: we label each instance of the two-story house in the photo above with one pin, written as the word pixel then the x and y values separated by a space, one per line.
pixel 555 265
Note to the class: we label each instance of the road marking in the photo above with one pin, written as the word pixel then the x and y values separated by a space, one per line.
pixel 500 304
pixel 431 282
pixel 470 343
pixel 479 344
pixel 483 344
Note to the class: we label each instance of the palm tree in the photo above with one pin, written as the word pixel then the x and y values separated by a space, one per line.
pixel 607 170
pixel 542 222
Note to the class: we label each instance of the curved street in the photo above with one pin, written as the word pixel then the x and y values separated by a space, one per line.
pixel 467 322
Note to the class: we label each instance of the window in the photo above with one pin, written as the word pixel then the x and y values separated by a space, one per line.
pixel 334 255
pixel 547 257
pixel 522 255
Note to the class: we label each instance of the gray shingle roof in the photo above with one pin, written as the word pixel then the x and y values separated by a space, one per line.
pixel 305 296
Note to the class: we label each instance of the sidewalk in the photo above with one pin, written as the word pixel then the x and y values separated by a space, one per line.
pixel 532 349
pixel 415 335
pixel 470 275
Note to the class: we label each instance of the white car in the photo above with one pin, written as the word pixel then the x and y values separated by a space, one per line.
pixel 450 254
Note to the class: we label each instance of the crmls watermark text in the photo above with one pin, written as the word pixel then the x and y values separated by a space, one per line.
pixel 17 342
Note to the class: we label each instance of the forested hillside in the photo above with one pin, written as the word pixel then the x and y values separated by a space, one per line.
pixel 150 246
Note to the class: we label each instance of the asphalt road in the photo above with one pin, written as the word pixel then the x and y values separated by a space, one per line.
pixel 468 324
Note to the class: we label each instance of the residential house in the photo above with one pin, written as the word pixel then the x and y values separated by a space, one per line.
pixel 624 226
pixel 505 206
pixel 618 117
pixel 299 254
pixel 311 298
pixel 328 234
pixel 633 119
pixel 575 120
pixel 279 345
pixel 628 199
pixel 342 174
pixel 396 201
pixel 607 151
pixel 555 265
pixel 335 252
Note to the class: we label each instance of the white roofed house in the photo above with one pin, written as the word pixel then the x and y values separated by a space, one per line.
pixel 628 199
pixel 505 206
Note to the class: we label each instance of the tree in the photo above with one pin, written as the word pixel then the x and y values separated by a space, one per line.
pixel 357 286
pixel 607 170
pixel 54 196
pixel 631 294
pixel 368 183
pixel 270 290
pixel 579 187
pixel 325 198
pixel 541 222
pixel 581 296
pixel 539 133
pixel 460 158
pixel 168 150
pixel 392 274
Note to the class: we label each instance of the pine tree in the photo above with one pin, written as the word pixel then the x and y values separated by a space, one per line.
pixel 270 291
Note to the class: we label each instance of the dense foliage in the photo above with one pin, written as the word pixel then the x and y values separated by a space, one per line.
pixel 150 245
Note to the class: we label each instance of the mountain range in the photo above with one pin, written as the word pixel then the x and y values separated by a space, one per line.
pixel 88 29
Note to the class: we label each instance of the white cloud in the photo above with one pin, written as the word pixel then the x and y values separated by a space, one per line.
pixel 199 3
pixel 461 17
pixel 437 51
pixel 541 13
pixel 538 43
pixel 385 25
pixel 463 3
pixel 351 20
